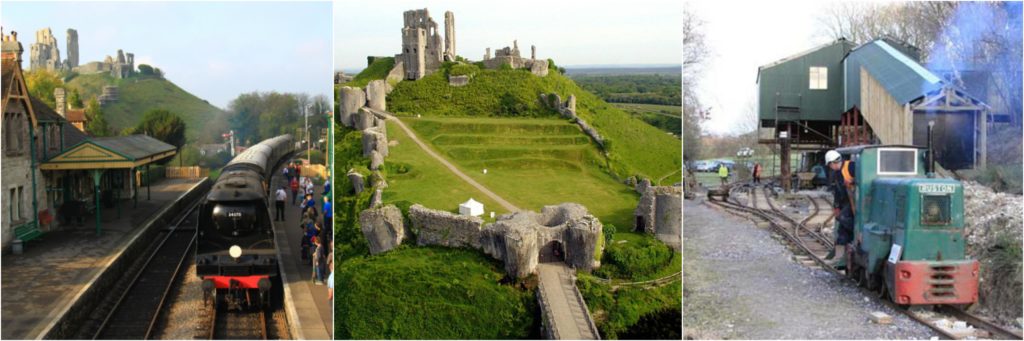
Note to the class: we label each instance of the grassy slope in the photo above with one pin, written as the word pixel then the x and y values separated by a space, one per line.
pixel 378 70
pixel 430 293
pixel 617 312
pixel 532 162
pixel 635 147
pixel 142 93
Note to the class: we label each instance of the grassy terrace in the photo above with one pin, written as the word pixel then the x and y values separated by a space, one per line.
pixel 531 162
pixel 635 147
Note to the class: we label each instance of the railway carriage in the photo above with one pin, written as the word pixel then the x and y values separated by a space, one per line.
pixel 235 253
pixel 909 229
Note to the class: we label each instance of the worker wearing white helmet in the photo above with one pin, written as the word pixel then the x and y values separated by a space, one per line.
pixel 842 183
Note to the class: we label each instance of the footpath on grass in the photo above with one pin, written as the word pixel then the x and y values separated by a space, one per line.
pixel 412 135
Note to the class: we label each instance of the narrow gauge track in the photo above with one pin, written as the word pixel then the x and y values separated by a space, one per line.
pixel 135 312
pixel 800 236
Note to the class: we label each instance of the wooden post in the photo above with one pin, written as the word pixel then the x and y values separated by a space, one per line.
pixel 97 174
pixel 148 184
pixel 983 138
pixel 784 158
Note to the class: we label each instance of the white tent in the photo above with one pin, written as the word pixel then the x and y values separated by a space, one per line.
pixel 471 207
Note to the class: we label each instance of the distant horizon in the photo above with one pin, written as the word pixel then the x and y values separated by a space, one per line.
pixel 578 66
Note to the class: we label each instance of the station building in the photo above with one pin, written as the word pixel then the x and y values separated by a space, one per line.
pixel 842 94
pixel 54 174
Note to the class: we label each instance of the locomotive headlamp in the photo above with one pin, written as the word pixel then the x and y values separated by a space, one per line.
pixel 235 251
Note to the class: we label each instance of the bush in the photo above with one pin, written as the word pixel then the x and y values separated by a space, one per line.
pixel 463 70
pixel 637 258
pixel 609 234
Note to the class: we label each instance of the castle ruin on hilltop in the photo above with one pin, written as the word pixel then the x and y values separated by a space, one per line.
pixel 422 49
pixel 46 56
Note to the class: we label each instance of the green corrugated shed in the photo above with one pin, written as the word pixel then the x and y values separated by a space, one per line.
pixel 901 75
pixel 784 86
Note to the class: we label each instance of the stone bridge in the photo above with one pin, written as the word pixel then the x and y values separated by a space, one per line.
pixel 564 313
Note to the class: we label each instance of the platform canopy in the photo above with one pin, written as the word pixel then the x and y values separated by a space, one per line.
pixel 111 153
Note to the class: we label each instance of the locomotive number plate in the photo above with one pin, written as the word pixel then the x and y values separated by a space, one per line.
pixel 936 188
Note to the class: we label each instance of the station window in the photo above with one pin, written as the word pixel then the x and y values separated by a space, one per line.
pixel 819 78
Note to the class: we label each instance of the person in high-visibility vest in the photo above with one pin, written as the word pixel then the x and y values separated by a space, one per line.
pixel 843 189
pixel 723 173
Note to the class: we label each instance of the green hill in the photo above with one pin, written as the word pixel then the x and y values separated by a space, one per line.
pixel 139 94
pixel 634 147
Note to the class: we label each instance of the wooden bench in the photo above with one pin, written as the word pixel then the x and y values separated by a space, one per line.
pixel 27 232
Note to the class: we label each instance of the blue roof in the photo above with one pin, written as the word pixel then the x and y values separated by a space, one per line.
pixel 901 76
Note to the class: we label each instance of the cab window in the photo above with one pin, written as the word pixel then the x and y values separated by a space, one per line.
pixel 935 209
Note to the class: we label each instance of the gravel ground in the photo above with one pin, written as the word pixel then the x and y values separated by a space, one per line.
pixel 741 283
pixel 183 318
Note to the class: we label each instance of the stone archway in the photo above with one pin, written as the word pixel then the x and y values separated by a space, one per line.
pixel 552 252
pixel 639 227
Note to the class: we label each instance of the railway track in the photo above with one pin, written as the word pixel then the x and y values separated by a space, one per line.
pixel 134 313
pixel 223 324
pixel 816 246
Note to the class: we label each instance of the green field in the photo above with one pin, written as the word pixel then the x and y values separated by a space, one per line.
pixel 531 162
pixel 658 109
pixel 431 293
pixel 139 94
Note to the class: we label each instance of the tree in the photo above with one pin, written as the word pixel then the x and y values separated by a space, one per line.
pixel 75 99
pixel 163 125
pixel 145 69
pixel 694 55
pixel 96 123
pixel 41 84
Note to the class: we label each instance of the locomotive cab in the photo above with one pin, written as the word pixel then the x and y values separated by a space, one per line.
pixel 909 230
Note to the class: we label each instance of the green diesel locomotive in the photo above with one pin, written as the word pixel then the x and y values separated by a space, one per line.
pixel 909 236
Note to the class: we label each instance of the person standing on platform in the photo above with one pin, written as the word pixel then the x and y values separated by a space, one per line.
pixel 294 184
pixel 328 220
pixel 330 278
pixel 318 262
pixel 280 197
pixel 327 187
pixel 287 175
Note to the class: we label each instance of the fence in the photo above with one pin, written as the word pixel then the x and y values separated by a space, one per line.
pixel 192 172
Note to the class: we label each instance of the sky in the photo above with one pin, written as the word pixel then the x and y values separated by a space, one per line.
pixel 214 50
pixel 727 84
pixel 573 33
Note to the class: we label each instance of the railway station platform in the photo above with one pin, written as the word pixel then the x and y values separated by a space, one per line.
pixel 40 284
pixel 310 312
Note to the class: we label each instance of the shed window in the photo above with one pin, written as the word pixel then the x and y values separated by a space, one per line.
pixel 819 78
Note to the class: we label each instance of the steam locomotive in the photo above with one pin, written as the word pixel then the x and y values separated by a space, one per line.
pixel 235 252
pixel 908 229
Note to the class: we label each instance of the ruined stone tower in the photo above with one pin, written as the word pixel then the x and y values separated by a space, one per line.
pixel 449 36
pixel 72 44
pixel 422 49
pixel 45 54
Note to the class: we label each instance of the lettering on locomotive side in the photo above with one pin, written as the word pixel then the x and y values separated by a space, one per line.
pixel 936 188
